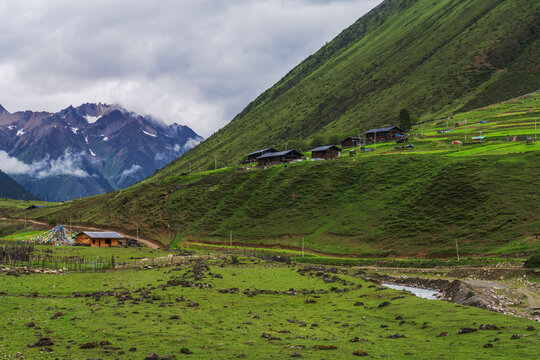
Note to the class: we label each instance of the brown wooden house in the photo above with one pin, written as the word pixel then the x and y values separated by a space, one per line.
pixel 384 134
pixel 350 142
pixel 100 239
pixel 326 152
pixel 254 155
pixel 279 157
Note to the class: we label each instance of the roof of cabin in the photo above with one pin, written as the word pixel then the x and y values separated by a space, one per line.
pixel 325 147
pixel 278 154
pixel 102 234
pixel 386 129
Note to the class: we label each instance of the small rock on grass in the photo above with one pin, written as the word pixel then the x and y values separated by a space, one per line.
pixel 444 333
pixel 531 328
pixel 89 345
pixel 488 327
pixel 466 330
pixel 515 337
pixel 384 303
pixel 325 347
pixel 296 355
pixel 152 357
pixel 186 351
pixel 360 353
pixel 488 345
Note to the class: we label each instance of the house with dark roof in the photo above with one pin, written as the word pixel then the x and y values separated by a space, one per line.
pixel 384 134
pixel 279 157
pixel 100 239
pixel 254 155
pixel 325 152
pixel 351 141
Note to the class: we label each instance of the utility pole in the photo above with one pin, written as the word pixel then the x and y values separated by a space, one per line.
pixel 137 233
pixel 375 141
pixel 302 247
pixel 535 129
pixel 230 238
pixel 447 119
pixel 421 130
pixel 457 251
pixel 215 162
pixel 286 144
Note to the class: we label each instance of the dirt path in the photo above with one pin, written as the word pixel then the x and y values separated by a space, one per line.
pixel 146 242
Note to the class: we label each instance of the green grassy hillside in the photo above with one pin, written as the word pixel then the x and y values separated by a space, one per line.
pixel 389 201
pixel 433 58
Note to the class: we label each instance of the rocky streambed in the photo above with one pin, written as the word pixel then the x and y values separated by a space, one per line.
pixel 460 292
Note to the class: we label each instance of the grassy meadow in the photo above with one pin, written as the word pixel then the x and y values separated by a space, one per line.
pixel 252 309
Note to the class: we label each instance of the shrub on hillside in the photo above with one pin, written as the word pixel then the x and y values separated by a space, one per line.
pixel 533 261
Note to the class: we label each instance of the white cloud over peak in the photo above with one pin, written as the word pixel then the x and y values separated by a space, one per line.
pixel 194 62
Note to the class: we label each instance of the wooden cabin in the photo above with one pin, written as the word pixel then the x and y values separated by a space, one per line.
pixel 384 134
pixel 254 155
pixel 279 157
pixel 326 152
pixel 100 239
pixel 350 142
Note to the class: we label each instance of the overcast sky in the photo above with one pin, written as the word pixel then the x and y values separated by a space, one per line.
pixel 194 62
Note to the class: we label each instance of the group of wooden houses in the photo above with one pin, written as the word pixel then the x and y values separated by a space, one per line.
pixel 271 156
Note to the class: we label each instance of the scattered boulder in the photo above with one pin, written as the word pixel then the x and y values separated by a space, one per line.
pixel 444 333
pixel 104 343
pixel 384 303
pixel 515 337
pixel 325 347
pixel 488 327
pixel 396 336
pixel 488 345
pixel 310 301
pixel 152 357
pixel 193 304
pixel 360 353
pixel 355 339
pixel 266 335
pixel 57 315
pixel 186 351
pixel 358 303
pixel 44 342
pixel 466 331
pixel 531 328
pixel 89 345
pixel 296 355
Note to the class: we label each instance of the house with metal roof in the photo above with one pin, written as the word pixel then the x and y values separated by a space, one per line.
pixel 325 152
pixel 384 134
pixel 254 155
pixel 100 239
pixel 280 157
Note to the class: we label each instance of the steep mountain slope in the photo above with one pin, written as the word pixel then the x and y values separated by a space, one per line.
pixel 11 189
pixel 434 58
pixel 88 150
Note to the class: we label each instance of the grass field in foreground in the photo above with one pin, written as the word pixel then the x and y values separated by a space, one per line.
pixel 149 310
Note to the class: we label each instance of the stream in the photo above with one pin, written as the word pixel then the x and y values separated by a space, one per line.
pixel 423 293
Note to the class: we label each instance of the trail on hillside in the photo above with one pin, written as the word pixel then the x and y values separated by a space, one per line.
pixel 147 242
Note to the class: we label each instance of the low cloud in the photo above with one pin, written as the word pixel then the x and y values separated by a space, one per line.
pixel 129 172
pixel 194 62
pixel 69 163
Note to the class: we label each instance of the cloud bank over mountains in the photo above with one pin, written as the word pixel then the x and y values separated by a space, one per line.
pixel 69 163
pixel 194 62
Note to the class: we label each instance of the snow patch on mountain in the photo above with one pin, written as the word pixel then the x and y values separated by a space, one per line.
pixel 20 132
pixel 147 133
pixel 74 129
pixel 91 119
